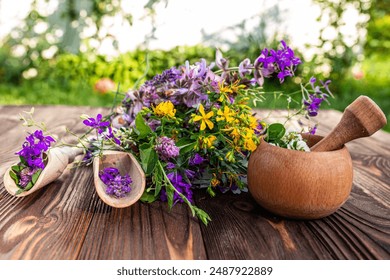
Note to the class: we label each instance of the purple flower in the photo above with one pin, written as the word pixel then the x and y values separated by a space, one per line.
pixel 34 147
pixel 181 186
pixel 245 67
pixel 197 159
pixel 313 105
pixel 170 165
pixel 220 61
pixel 313 130
pixel 97 123
pixel 116 184
pixel 282 61
pixel 166 148
pixel 26 176
pixel 153 124
pixel 189 173
pixel 110 136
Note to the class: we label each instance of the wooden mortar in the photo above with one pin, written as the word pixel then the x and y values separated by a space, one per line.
pixel 296 184
pixel 312 185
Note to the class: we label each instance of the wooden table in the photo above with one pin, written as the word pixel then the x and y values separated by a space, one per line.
pixel 67 220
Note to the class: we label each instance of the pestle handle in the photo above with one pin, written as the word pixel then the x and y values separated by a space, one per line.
pixel 361 118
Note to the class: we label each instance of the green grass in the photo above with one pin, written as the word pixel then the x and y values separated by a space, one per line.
pixel 41 93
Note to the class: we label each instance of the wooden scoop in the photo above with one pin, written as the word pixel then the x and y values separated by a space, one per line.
pixel 361 118
pixel 126 164
pixel 58 159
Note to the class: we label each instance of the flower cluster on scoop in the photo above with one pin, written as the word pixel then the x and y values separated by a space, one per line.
pixel 32 160
pixel 116 184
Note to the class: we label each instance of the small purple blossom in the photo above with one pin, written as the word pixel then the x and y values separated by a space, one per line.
pixel 197 159
pixel 110 136
pixel 245 67
pixel 313 130
pixel 313 105
pixel 190 173
pixel 166 148
pixel 181 186
pixel 97 123
pixel 26 176
pixel 117 185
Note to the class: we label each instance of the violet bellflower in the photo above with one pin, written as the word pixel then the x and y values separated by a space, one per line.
pixel 116 184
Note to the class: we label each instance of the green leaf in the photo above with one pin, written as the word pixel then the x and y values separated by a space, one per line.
pixel 35 177
pixel 28 187
pixel 14 177
pixel 185 145
pixel 170 191
pixel 202 215
pixel 149 158
pixel 148 197
pixel 143 130
pixel 22 161
pixel 157 180
pixel 19 191
pixel 17 168
pixel 275 132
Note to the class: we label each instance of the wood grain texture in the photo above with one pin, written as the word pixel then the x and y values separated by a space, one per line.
pixel 67 220
pixel 143 231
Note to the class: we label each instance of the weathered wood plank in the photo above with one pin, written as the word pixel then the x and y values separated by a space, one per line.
pixel 143 231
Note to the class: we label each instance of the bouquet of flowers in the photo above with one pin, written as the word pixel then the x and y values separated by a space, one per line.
pixel 192 127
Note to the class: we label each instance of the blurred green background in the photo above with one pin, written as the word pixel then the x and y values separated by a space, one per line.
pixel 56 64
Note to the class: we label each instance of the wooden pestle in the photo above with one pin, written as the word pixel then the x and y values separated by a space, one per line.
pixel 361 118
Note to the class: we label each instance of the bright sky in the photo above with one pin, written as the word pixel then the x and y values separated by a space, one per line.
pixel 181 22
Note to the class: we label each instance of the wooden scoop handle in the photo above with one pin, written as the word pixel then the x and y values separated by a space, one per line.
pixel 361 118
pixel 71 152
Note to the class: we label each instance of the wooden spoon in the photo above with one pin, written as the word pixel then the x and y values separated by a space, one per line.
pixel 126 163
pixel 57 160
pixel 361 118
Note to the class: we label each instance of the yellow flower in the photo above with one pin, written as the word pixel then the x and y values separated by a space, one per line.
pixel 225 115
pixel 223 88
pixel 230 156
pixel 207 142
pixel 235 134
pixel 214 182
pixel 165 109
pixel 249 144
pixel 204 118
pixel 253 122
pixel 235 87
